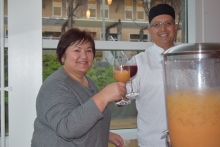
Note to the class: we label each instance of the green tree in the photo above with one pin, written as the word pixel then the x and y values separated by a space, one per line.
pixel 100 75
pixel 50 64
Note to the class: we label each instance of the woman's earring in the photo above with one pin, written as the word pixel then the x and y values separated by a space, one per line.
pixel 62 62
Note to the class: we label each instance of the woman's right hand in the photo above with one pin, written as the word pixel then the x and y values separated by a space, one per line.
pixel 114 91
pixel 111 93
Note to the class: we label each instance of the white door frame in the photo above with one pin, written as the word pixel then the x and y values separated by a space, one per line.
pixel 24 67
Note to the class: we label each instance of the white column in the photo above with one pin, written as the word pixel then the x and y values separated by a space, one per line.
pixel 195 21
pixel 203 22
pixel 25 67
pixel 2 103
pixel 211 20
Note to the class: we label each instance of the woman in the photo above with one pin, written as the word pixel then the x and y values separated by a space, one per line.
pixel 70 110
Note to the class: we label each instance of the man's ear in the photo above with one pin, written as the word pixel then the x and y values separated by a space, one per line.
pixel 176 27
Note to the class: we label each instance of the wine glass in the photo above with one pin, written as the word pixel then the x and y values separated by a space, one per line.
pixel 121 73
pixel 133 71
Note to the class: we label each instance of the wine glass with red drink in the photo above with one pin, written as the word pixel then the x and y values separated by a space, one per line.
pixel 133 71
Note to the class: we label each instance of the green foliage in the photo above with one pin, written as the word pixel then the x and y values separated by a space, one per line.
pixel 6 73
pixel 50 64
pixel 100 75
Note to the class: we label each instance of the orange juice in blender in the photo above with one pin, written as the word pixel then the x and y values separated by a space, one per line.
pixel 192 87
pixel 194 118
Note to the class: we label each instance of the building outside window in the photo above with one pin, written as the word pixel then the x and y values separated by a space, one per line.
pixel 140 14
pixel 128 9
pixel 92 6
pixel 106 10
pixel 137 38
pixel 57 8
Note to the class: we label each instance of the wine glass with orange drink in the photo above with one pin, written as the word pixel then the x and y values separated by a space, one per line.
pixel 121 73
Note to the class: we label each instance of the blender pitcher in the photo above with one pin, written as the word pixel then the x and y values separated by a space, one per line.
pixel 192 85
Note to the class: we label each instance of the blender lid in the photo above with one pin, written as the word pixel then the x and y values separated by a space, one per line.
pixel 194 48
pixel 193 51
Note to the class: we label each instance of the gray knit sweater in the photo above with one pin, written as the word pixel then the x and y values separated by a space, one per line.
pixel 67 116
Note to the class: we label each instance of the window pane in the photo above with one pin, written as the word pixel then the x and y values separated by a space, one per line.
pixel 128 14
pixel 106 13
pixel 92 13
pixel 128 2
pixel 4 81
pixel 128 29
pixel 140 15
pixel 128 23
pixel 138 38
pixel 102 74
pixel 51 35
pixel 57 11
pixel 139 4
pixel 92 6
pixel 92 1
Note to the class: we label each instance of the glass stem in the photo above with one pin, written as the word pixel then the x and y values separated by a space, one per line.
pixel 131 87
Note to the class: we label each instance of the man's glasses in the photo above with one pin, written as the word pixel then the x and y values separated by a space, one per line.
pixel 159 24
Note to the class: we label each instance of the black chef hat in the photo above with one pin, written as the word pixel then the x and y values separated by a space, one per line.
pixel 161 9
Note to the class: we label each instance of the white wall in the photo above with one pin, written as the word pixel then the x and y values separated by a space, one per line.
pixel 203 21
pixel 25 67
pixel 212 20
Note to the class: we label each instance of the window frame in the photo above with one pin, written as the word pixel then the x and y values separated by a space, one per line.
pixel 137 40
pixel 55 5
pixel 129 9
pixel 139 9
pixel 92 6
pixel 106 10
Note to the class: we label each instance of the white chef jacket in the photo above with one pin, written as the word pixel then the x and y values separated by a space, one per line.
pixel 149 82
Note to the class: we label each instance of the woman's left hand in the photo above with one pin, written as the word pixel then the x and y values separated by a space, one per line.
pixel 116 139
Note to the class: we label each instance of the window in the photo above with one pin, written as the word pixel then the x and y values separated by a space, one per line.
pixel 6 33
pixel 140 11
pixel 67 8
pixel 128 9
pixel 93 34
pixel 57 8
pixel 106 10
pixel 123 117
pixel 51 35
pixel 49 25
pixel 113 37
pixel 92 7
pixel 137 38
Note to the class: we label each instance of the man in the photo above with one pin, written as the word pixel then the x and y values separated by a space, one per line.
pixel 151 119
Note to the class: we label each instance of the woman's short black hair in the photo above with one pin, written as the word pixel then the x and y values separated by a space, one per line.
pixel 71 37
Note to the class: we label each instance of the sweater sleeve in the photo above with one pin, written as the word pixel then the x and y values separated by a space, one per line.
pixel 60 108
